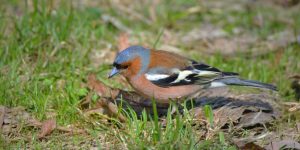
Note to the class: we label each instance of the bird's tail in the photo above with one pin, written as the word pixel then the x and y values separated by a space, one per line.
pixel 242 82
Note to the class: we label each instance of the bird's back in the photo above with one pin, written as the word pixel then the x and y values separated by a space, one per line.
pixel 167 59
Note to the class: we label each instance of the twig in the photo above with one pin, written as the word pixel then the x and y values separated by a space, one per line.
pixel 117 23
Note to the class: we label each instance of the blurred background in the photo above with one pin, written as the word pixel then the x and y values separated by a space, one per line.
pixel 47 48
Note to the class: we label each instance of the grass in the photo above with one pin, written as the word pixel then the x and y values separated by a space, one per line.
pixel 45 49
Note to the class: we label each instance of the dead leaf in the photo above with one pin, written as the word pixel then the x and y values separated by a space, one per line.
pixel 105 109
pixel 255 118
pixel 284 144
pixel 123 42
pixel 85 103
pixel 72 130
pixel 104 105
pixel 35 123
pixel 12 118
pixel 97 110
pixel 100 88
pixel 17 118
pixel 251 146
pixel 242 110
pixel 111 109
pixel 251 138
pixel 225 116
pixel 47 127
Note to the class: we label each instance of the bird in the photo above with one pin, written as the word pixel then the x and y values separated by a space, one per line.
pixel 166 76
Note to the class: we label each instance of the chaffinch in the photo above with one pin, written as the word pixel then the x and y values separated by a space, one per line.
pixel 167 76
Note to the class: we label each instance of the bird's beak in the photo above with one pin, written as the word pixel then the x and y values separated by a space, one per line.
pixel 113 72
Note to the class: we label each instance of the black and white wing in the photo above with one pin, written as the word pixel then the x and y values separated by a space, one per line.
pixel 196 73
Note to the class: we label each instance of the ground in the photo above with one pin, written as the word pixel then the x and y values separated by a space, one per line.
pixel 48 49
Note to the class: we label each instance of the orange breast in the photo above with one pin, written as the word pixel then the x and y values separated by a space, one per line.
pixel 162 94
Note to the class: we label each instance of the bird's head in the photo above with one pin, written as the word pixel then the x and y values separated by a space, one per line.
pixel 132 61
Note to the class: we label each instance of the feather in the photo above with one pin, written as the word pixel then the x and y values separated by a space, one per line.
pixel 182 75
pixel 216 84
pixel 155 77
pixel 194 73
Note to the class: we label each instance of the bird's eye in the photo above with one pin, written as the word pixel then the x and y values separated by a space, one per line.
pixel 119 66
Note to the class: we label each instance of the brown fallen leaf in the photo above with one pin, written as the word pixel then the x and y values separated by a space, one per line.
pixel 251 146
pixel 96 110
pixel 16 118
pixel 255 118
pixel 107 109
pixel 243 110
pixel 12 119
pixel 225 116
pixel 100 88
pixel 114 110
pixel 47 127
pixel 71 130
pixel 284 144
pixel 104 105
pixel 85 103
pixel 123 42
pixel 249 140
pixel 35 123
